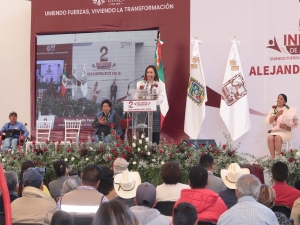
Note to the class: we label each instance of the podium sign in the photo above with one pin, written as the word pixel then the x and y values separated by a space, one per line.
pixel 139 106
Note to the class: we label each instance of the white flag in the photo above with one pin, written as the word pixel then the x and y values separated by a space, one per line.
pixel 84 87
pixel 234 108
pixel 74 83
pixel 196 96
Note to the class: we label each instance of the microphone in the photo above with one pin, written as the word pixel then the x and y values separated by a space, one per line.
pixel 132 82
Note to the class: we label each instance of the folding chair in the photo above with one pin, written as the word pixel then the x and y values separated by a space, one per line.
pixel 72 131
pixel 43 130
pixel 165 207
pixel 287 145
pixel 283 209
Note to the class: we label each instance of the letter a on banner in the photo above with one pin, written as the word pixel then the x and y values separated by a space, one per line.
pixel 234 108
pixel 196 95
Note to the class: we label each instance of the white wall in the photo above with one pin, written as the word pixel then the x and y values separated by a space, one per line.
pixel 15 19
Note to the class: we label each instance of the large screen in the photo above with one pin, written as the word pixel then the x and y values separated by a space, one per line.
pixel 76 72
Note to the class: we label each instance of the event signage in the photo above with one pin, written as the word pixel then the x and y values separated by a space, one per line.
pixel 140 106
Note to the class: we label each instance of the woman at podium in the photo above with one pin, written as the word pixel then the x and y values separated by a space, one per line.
pixel 157 92
pixel 283 120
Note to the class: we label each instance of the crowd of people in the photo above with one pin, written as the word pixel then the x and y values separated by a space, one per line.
pixel 103 195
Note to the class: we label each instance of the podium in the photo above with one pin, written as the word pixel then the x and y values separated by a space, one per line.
pixel 140 106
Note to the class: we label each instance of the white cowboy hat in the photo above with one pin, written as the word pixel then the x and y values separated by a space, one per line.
pixel 233 173
pixel 126 183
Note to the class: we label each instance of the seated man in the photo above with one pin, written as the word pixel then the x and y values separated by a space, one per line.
pixel 248 210
pixel 11 131
pixel 85 200
pixel 208 204
pixel 185 214
pixel 34 206
pixel 285 195
pixel 214 183
pixel 145 200
pixel 12 184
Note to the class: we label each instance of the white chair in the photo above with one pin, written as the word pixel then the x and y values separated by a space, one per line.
pixel 287 145
pixel 43 130
pixel 72 131
pixel 40 94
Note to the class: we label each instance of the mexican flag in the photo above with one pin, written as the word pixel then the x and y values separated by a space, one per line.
pixel 64 81
pixel 164 106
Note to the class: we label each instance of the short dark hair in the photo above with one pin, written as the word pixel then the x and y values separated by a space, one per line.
pixel 107 181
pixel 284 97
pixel 184 214
pixel 62 218
pixel 171 173
pixel 206 160
pixel 60 168
pixel 280 171
pixel 92 173
pixel 25 165
pixel 107 102
pixel 156 78
pixel 198 177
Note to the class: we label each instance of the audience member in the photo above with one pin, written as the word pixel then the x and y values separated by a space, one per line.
pixel 114 212
pixel 171 188
pixel 214 183
pixel 34 206
pixel 208 204
pixel 185 214
pixel 25 165
pixel 248 211
pixel 12 185
pixel 61 171
pixel 68 185
pixel 120 165
pixel 62 218
pixel 145 200
pixel 106 185
pixel 125 185
pixel 295 213
pixel 267 197
pixel 230 178
pixel 85 199
pixel 285 195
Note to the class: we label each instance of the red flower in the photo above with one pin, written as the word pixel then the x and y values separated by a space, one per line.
pixel 47 142
pixel 113 132
pixel 202 153
pixel 189 154
pixel 82 140
pixel 35 150
pixel 33 142
pixel 124 156
pixel 212 145
pixel 200 144
pixel 117 138
pixel 69 150
pixel 291 150
pixel 273 106
pixel 57 149
pixel 290 159
pixel 175 142
pixel 108 159
pixel 116 154
pixel 35 163
pixel 126 147
pixel 224 146
pixel 282 153
pixel 218 152
pixel 59 142
pixel 156 85
pixel 113 151
pixel 15 157
pixel 111 125
pixel 141 87
pixel 93 140
pixel 45 149
pixel 118 144
pixel 122 142
pixel 169 141
pixel 160 151
pixel 6 152
pixel 190 144
pixel 170 154
pixel 71 141
pixel 275 118
pixel 41 163
pixel 130 150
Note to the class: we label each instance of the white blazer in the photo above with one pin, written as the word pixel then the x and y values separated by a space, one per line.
pixel 159 90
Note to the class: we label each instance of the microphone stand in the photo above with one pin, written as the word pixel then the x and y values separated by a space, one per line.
pixel 129 85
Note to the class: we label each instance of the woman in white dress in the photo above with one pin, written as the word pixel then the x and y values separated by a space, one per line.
pixel 280 132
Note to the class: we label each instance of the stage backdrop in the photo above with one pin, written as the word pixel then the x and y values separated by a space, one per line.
pixel 269 32
pixel 94 37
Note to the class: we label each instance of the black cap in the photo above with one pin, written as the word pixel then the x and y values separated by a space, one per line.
pixel 12 113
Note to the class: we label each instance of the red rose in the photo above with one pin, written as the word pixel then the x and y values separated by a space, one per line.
pixel 273 106
pixel 130 150
pixel 71 141
pixel 218 152
pixel 116 154
pixel 117 138
pixel 82 140
pixel 290 159
pixel 108 159
pixel 112 150
pixel 156 85
pixel 118 144
pixel 124 156
pixel 224 146
pixel 175 142
pixel 190 144
pixel 200 144
pixel 160 151
pixel 93 140
pixel 45 149
pixel 47 142
pixel 69 150
pixel 15 157
pixel 59 142
pixel 291 150
pixel 190 154
pixel 33 142
pixel 35 163
pixel 57 149
pixel 6 152
pixel 202 153
pixel 122 142
pixel 41 163
pixel 170 154
pixel 127 147
pixel 282 153
pixel 169 141
pixel 111 125
pixel 35 150
pixel 141 87
pixel 212 145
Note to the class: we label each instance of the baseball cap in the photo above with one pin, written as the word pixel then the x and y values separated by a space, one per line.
pixel 31 177
pixel 13 112
pixel 146 194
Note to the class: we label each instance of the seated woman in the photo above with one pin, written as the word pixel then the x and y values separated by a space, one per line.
pixel 106 185
pixel 171 188
pixel 106 121
pixel 61 171
pixel 280 132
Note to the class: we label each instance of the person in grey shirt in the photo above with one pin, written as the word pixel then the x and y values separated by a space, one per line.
pixel 214 183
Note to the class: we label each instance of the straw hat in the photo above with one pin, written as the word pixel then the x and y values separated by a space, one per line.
pixel 233 173
pixel 126 183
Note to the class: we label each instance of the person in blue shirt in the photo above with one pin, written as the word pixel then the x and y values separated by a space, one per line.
pixel 12 132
